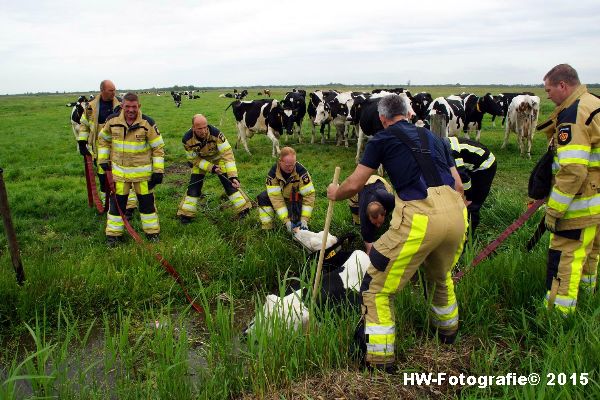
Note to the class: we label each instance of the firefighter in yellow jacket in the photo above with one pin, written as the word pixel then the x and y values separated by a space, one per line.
pixel 92 121
pixel 290 193
pixel 207 150
pixel 131 146
pixel 428 227
pixel 573 208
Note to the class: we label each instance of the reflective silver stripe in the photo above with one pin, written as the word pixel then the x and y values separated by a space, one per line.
pixel 105 136
pixel 570 154
pixel 588 279
pixel 454 145
pixel 223 146
pixel 487 163
pixel 204 165
pixel 157 142
pixel 459 162
pixel 446 323
pixel 472 149
pixel 562 301
pixel 467 185
pixel 103 151
pixel 131 146
pixel 149 220
pixel 307 189
pixel 585 203
pixel 273 189
pixel 444 310
pixel 282 212
pixel 380 348
pixel 132 170
pixel 380 330
pixel 560 198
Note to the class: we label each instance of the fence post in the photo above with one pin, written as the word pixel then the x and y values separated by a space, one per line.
pixel 11 237
pixel 438 125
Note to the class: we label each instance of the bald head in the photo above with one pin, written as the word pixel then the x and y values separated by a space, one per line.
pixel 107 90
pixel 200 126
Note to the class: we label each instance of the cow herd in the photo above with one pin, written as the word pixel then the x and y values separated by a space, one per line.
pixel 354 114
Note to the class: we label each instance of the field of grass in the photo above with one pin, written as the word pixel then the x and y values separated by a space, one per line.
pixel 97 323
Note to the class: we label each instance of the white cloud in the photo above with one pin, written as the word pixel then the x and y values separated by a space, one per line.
pixel 59 45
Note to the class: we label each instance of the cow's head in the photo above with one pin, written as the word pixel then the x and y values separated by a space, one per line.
pixel 486 104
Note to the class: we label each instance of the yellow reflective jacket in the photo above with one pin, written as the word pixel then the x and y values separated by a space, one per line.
pixel 575 128
pixel 214 150
pixel 90 127
pixel 279 191
pixel 135 151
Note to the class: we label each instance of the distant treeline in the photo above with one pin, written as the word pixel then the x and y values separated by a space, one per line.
pixel 178 88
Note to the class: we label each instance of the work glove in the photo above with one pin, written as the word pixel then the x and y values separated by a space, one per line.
pixel 105 166
pixel 303 225
pixel 550 223
pixel 289 226
pixel 155 179
pixel 83 150
pixel 214 169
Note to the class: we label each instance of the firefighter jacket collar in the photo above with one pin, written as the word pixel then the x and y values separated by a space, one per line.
pixel 549 126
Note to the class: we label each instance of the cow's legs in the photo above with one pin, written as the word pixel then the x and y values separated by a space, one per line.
pixel 275 141
pixel 478 134
pixel 244 134
pixel 506 132
pixel 312 138
pixel 359 143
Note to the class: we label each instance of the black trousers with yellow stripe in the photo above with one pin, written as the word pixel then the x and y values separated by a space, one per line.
pixel 429 232
pixel 114 223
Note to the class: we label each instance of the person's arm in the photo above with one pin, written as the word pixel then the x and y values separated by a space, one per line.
pixel 157 146
pixel 352 185
pixel 458 185
pixel 307 191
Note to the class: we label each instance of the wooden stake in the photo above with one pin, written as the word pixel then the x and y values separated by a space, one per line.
pixel 11 237
pixel 336 177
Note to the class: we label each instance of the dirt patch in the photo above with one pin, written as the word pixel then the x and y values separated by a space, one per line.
pixel 177 168
pixel 358 384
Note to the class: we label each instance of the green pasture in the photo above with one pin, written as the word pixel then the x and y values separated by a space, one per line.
pixel 92 322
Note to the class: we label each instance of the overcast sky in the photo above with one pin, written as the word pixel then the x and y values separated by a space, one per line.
pixel 73 45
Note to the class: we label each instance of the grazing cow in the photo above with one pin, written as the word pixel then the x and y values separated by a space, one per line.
pixel 77 109
pixel 452 109
pixel 522 117
pixel 338 287
pixel 258 116
pixel 475 107
pixel 503 100
pixel 319 104
pixel 259 94
pixel 267 92
pixel 365 116
pixel 420 103
pixel 294 110
pixel 176 98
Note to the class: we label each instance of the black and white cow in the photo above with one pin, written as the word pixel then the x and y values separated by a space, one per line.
pixel 475 107
pixel 503 100
pixel 420 103
pixel 522 117
pixel 452 109
pixel 318 103
pixel 258 116
pixel 365 117
pixel 176 98
pixel 77 109
pixel 339 286
pixel 294 110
